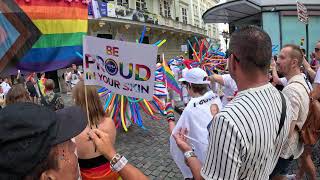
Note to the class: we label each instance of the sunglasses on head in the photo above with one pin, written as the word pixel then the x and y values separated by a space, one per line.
pixel 316 49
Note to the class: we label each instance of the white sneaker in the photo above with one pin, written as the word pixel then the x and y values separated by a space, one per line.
pixel 291 176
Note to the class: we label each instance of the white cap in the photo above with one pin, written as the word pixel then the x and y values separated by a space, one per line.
pixel 184 72
pixel 196 76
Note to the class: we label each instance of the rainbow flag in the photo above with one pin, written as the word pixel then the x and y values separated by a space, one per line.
pixel 17 35
pixel 171 82
pixel 62 25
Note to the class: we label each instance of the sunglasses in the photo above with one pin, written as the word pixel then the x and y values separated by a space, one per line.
pixel 316 49
pixel 235 57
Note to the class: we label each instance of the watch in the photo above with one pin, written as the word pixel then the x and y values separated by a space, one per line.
pixel 189 154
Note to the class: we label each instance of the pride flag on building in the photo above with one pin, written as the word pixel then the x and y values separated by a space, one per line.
pixel 62 25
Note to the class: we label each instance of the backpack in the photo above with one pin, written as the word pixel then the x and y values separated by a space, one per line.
pixel 52 103
pixel 310 131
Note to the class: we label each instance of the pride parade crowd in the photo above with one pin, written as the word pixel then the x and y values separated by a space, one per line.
pixel 252 132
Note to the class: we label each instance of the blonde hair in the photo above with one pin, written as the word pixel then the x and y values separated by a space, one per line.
pixel 49 84
pixel 96 112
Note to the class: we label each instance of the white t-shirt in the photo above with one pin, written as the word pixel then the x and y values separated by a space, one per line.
pixel 185 95
pixel 2 99
pixel 196 118
pixel 75 78
pixel 243 138
pixel 5 87
pixel 176 70
pixel 230 87
pixel 317 78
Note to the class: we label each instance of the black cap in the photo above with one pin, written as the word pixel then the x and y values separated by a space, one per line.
pixel 28 131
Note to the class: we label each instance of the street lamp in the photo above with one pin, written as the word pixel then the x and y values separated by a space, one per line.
pixel 226 36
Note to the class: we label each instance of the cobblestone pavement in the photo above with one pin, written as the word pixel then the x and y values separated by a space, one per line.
pixel 148 150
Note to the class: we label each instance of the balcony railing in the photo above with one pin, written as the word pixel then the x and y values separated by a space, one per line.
pixel 122 12
pixel 180 25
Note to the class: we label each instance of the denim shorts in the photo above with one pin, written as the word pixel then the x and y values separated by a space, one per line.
pixel 282 167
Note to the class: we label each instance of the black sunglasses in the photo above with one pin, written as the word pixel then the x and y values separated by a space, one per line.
pixel 316 49
pixel 235 57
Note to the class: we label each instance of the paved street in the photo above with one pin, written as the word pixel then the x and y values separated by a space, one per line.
pixel 149 150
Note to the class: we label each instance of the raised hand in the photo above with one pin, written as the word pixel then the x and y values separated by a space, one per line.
pixel 103 143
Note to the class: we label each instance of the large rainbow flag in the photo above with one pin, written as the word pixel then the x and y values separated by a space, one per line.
pixel 62 25
pixel 17 34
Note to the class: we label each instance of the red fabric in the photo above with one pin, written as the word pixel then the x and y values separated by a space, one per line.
pixel 102 172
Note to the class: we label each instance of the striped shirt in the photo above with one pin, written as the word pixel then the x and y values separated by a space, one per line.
pixel 243 142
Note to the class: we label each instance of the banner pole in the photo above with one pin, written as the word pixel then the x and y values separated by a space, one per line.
pixel 87 106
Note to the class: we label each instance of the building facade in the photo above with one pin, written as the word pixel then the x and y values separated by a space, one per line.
pixel 174 20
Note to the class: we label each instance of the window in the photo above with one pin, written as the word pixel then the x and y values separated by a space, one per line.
pixel 167 10
pixel 195 10
pixel 141 5
pixel 161 9
pixel 214 31
pixel 122 2
pixel 184 15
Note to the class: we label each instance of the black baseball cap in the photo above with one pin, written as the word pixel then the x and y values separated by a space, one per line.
pixel 28 131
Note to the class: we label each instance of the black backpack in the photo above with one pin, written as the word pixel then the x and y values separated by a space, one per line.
pixel 52 103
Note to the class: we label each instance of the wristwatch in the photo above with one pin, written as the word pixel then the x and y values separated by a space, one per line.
pixel 187 155
pixel 115 159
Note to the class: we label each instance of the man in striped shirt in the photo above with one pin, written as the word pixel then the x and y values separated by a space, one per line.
pixel 246 137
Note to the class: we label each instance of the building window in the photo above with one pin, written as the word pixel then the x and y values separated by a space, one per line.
pixel 195 10
pixel 214 31
pixel 184 15
pixel 122 2
pixel 161 9
pixel 141 5
pixel 166 7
